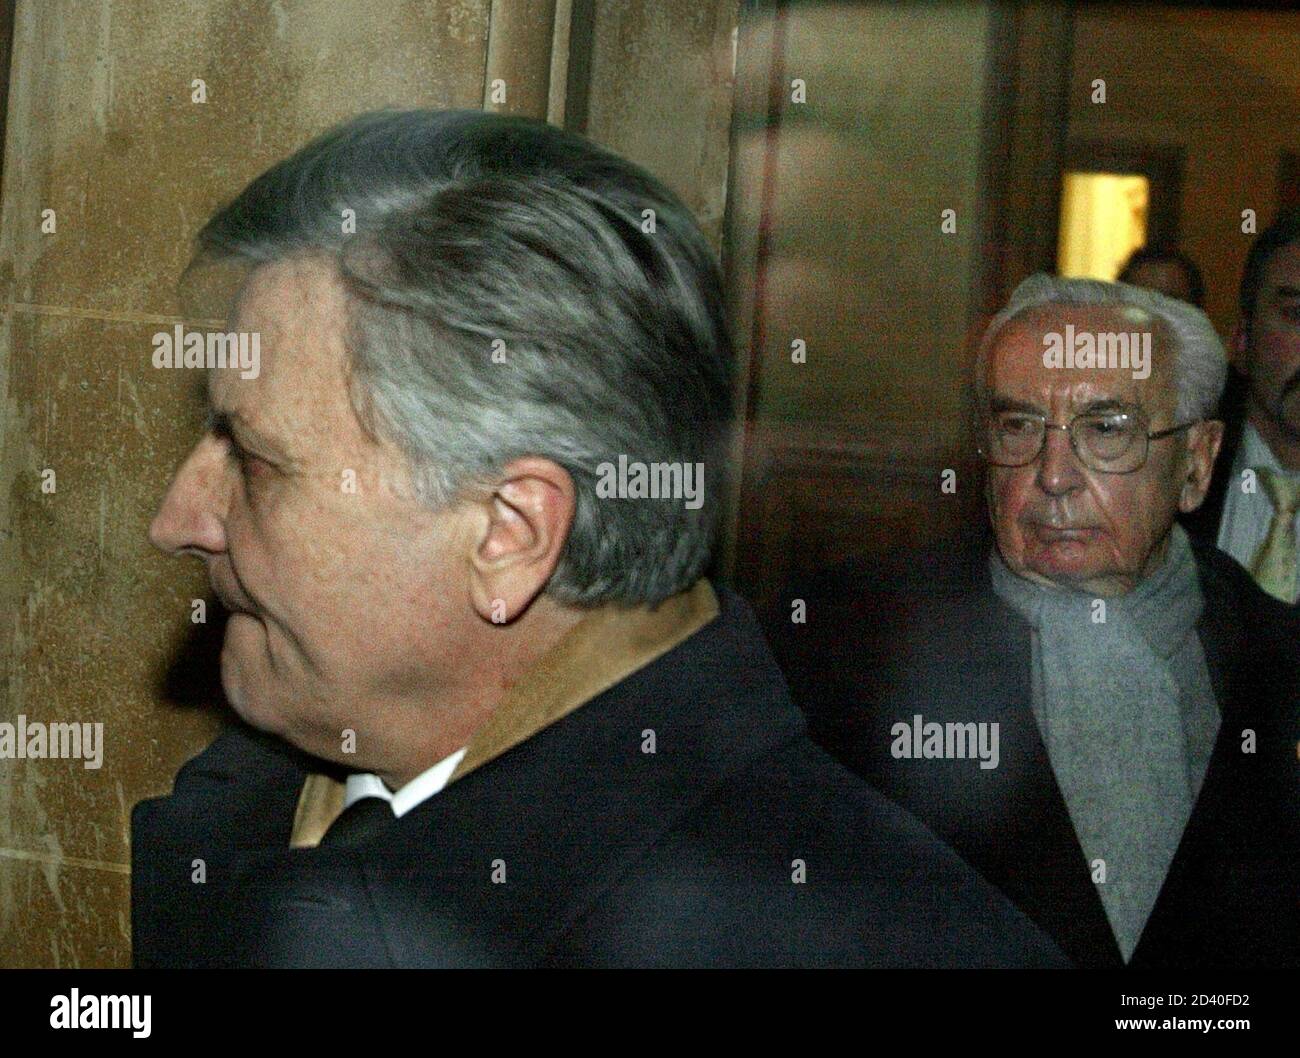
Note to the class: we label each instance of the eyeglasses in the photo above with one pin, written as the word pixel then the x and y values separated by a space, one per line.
pixel 1112 442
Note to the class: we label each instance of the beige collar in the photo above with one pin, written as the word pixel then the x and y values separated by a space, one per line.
pixel 609 644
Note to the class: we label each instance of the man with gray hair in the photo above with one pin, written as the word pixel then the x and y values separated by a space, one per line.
pixel 1143 692
pixel 460 520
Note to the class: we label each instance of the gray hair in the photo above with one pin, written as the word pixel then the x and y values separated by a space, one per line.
pixel 1200 366
pixel 482 233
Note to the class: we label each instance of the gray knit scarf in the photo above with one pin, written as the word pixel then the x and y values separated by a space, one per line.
pixel 1128 716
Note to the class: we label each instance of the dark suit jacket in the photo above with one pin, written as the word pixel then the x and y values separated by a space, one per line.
pixel 612 856
pixel 931 637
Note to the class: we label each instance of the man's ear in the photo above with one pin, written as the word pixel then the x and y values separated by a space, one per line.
pixel 1203 443
pixel 521 536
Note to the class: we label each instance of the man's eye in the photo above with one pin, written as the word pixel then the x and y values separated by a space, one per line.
pixel 249 464
pixel 1109 425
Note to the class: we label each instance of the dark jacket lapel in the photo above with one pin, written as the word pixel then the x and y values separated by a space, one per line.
pixel 1242 842
pixel 935 641
pixel 494 869
pixel 711 706
pixel 1030 850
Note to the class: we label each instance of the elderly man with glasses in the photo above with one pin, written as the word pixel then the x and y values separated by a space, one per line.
pixel 1140 691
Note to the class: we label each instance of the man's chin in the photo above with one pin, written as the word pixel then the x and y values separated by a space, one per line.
pixel 1067 559
pixel 239 692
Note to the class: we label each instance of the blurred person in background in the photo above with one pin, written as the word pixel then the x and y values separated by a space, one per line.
pixel 1252 511
pixel 1168 271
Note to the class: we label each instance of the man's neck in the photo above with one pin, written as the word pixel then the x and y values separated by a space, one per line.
pixel 424 736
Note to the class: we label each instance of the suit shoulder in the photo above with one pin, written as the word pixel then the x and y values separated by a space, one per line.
pixel 242 783
pixel 794 861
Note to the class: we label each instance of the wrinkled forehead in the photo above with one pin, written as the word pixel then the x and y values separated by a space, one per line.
pixel 297 310
pixel 1018 365
pixel 286 295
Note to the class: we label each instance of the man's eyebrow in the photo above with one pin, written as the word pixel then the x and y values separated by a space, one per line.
pixel 1000 403
pixel 234 426
pixel 1106 404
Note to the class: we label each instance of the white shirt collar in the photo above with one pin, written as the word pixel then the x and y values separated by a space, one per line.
pixel 415 792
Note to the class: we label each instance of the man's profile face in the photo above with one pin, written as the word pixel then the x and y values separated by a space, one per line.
pixel 1273 345
pixel 1058 522
pixel 338 596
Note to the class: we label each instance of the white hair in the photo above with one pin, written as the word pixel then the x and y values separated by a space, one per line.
pixel 480 232
pixel 1201 363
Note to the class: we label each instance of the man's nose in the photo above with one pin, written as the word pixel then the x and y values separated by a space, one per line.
pixel 1059 469
pixel 191 517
